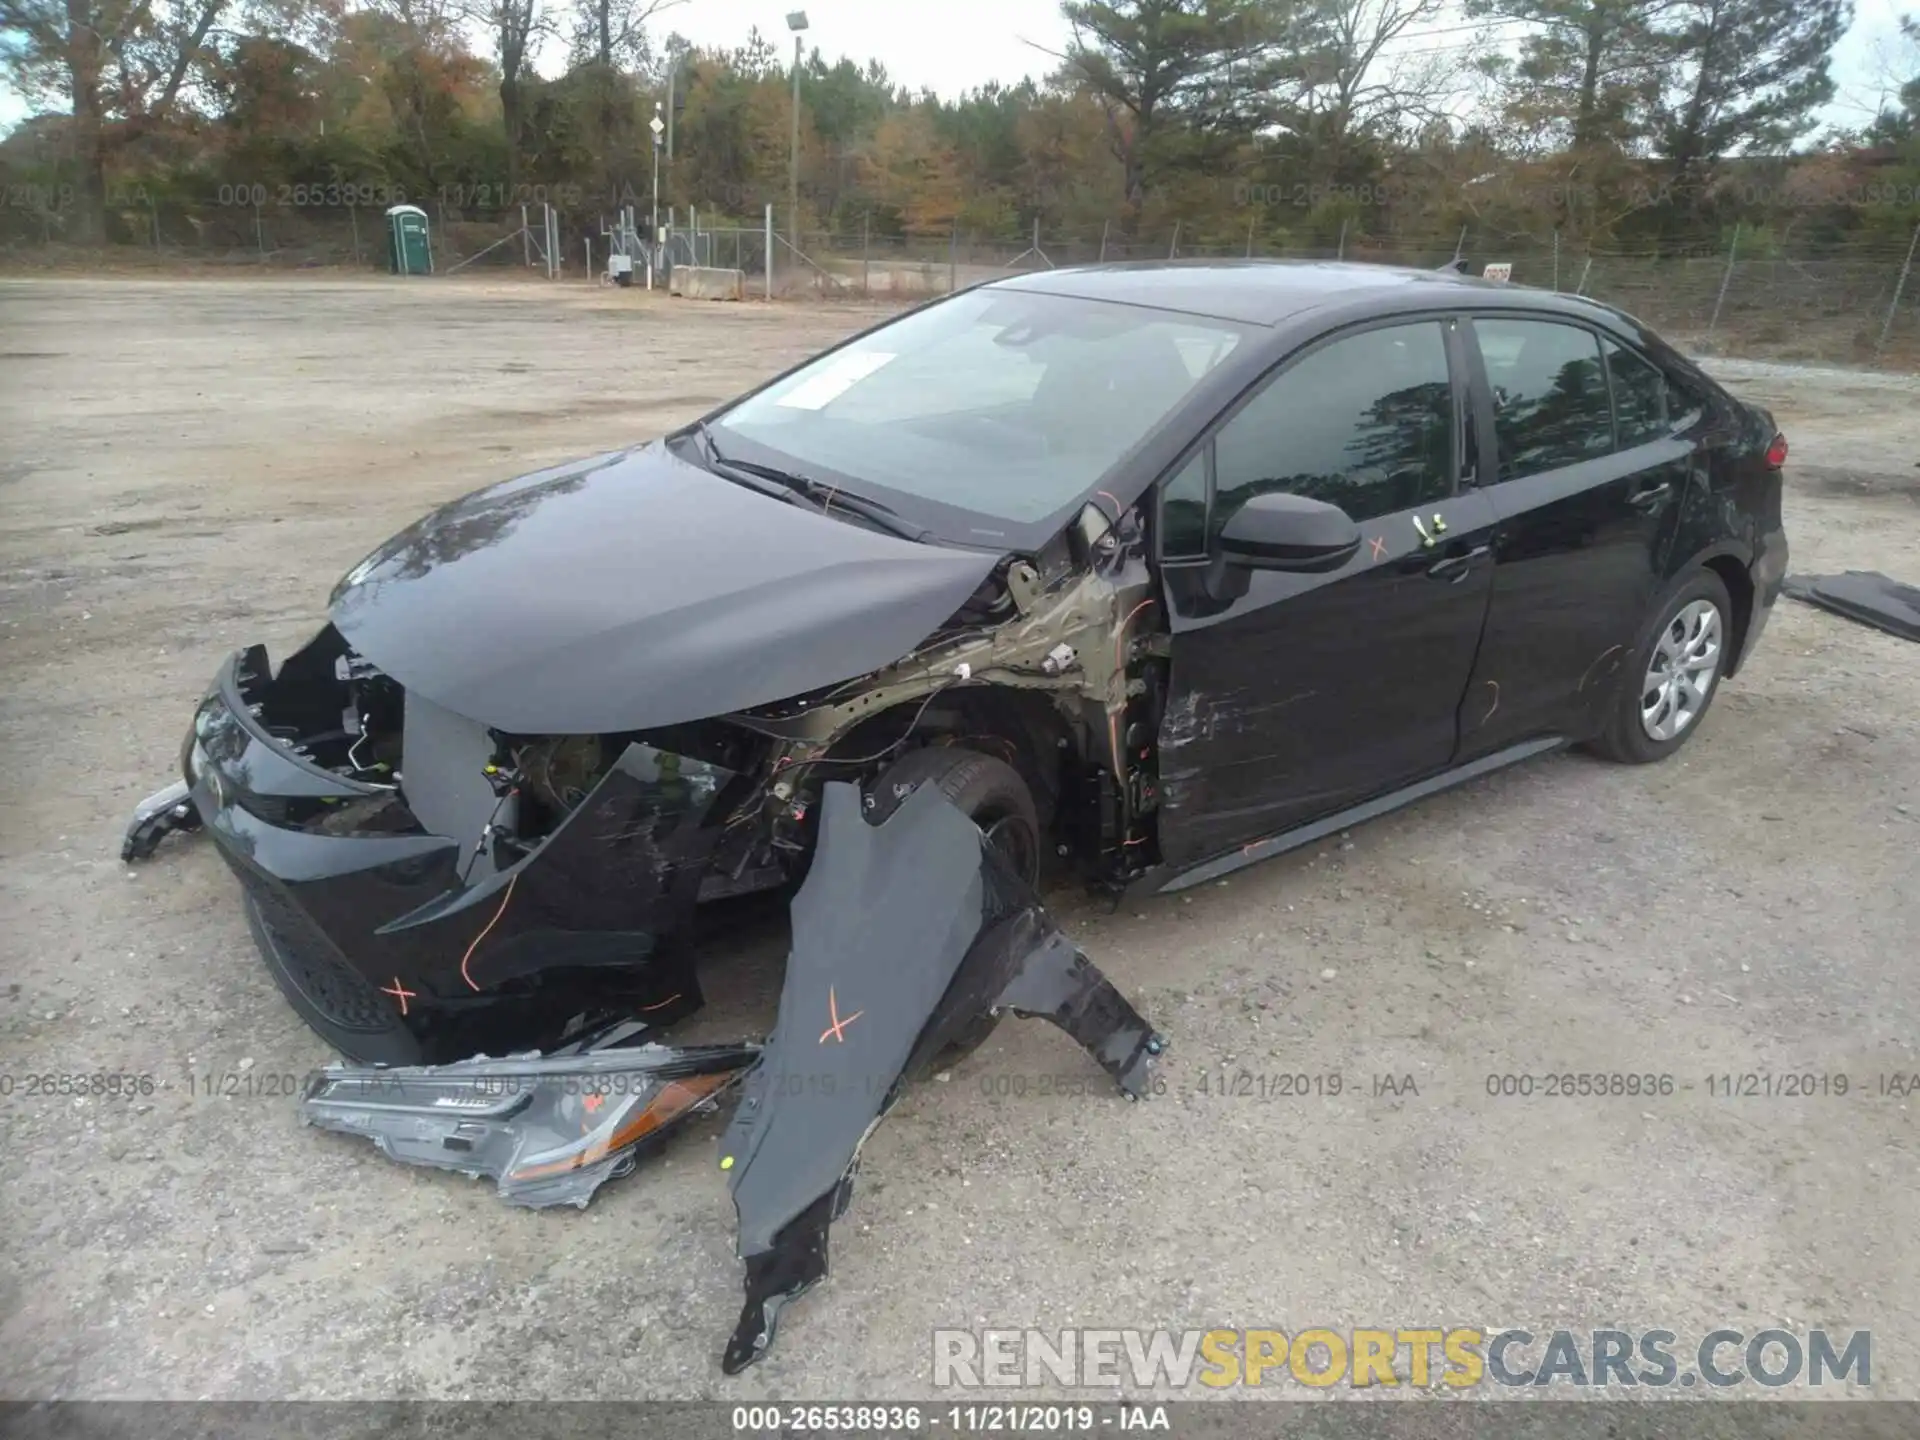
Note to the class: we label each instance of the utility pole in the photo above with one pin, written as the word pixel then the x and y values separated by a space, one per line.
pixel 796 22
pixel 658 127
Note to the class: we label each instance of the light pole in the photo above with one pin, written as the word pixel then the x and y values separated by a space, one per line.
pixel 658 127
pixel 796 22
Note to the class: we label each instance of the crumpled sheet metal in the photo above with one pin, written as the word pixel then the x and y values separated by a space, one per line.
pixel 549 1129
pixel 1863 595
pixel 903 933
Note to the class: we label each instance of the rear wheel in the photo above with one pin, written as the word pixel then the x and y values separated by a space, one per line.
pixel 1670 681
pixel 988 792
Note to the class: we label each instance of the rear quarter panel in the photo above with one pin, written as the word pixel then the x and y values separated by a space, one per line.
pixel 1731 507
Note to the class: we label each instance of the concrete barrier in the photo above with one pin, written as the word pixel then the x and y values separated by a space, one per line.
pixel 707 282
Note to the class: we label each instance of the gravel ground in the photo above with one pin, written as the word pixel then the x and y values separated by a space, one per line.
pixel 187 466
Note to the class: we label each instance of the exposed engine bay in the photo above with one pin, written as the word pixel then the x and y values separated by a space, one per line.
pixel 1053 665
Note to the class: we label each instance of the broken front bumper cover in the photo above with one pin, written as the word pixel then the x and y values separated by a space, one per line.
pixel 372 917
pixel 905 933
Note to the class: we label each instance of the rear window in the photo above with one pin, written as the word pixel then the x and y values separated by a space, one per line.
pixel 1639 396
pixel 1549 394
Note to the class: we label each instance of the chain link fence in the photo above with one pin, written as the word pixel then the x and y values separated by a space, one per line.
pixel 1854 301
pixel 261 228
pixel 1848 303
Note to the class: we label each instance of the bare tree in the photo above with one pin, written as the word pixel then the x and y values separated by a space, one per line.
pixel 426 20
pixel 1360 79
pixel 1897 71
pixel 614 32
pixel 431 29
pixel 515 27
pixel 120 64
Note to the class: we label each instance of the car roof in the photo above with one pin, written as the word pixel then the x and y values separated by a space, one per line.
pixel 1264 292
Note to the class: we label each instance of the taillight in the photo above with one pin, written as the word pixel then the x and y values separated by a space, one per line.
pixel 1777 452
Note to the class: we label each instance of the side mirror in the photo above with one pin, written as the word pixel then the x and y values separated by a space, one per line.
pixel 1289 532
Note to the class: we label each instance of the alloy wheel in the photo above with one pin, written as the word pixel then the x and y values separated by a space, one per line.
pixel 1681 671
pixel 1013 838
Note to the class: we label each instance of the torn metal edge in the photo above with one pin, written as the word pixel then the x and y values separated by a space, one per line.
pixel 999 951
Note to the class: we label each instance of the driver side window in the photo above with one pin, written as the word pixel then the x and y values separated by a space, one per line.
pixel 1365 423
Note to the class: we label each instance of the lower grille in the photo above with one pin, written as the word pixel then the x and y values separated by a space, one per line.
pixel 312 963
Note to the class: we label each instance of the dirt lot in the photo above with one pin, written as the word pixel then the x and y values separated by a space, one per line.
pixel 188 466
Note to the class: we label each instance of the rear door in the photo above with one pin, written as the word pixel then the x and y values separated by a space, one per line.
pixel 1585 485
pixel 1296 695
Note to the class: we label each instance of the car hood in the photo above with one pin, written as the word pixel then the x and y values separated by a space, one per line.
pixel 634 590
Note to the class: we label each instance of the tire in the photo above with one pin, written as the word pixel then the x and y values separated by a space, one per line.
pixel 1649 719
pixel 988 792
pixel 341 1005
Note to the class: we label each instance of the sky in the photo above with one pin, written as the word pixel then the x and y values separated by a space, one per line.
pixel 947 46
pixel 954 45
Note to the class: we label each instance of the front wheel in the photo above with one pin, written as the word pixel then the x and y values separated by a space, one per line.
pixel 1678 664
pixel 988 792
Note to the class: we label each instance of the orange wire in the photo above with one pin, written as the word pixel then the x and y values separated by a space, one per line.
pixel 511 882
pixel 1121 634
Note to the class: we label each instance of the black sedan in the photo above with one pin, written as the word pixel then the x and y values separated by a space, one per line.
pixel 1152 570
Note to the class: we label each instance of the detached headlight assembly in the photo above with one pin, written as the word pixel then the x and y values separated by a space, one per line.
pixel 550 1130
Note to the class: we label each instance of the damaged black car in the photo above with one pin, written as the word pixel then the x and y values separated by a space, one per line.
pixel 1152 571
pixel 1134 574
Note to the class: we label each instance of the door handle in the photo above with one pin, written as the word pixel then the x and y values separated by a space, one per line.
pixel 1454 568
pixel 1650 499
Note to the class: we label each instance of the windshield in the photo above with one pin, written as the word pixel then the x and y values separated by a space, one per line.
pixel 999 401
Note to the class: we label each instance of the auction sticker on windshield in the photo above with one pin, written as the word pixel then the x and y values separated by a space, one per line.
pixel 836 377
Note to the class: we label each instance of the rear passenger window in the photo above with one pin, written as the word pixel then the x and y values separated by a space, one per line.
pixel 1639 396
pixel 1686 403
pixel 1549 395
pixel 1365 423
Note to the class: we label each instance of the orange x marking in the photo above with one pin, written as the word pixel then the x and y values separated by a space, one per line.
pixel 838 1028
pixel 399 992
pixel 1379 544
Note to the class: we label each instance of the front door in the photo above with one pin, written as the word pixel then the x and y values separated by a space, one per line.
pixel 1296 695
